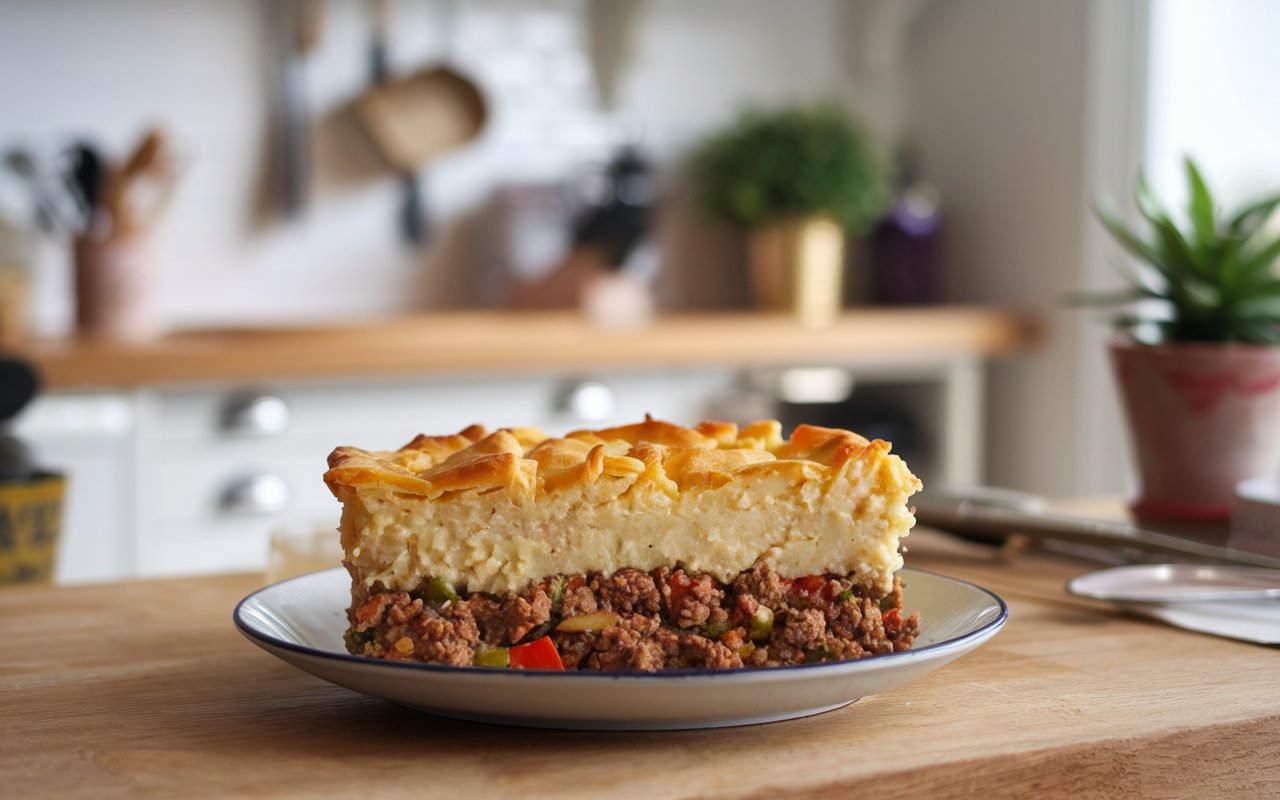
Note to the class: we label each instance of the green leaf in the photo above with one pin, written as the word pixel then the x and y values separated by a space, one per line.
pixel 1246 220
pixel 1201 297
pixel 1147 202
pixel 1216 283
pixel 1174 251
pixel 1182 257
pixel 1263 310
pixel 1151 281
pixel 1230 268
pixel 1201 204
pixel 1147 331
pixel 1259 263
pixel 1127 238
pixel 1263 300
pixel 1127 320
pixel 1255 331
pixel 1114 298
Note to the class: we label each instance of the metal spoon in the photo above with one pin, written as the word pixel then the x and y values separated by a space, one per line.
pixel 1177 583
pixel 54 209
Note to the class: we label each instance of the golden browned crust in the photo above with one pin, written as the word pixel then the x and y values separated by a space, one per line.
pixel 525 461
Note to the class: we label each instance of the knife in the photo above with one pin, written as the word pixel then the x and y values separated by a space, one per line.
pixel 413 221
pixel 302 31
pixel 1000 512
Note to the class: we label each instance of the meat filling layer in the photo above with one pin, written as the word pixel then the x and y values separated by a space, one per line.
pixel 635 621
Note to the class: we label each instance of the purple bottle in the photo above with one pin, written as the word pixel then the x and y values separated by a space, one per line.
pixel 905 248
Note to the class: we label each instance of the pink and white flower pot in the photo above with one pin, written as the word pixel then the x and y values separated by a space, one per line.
pixel 1202 417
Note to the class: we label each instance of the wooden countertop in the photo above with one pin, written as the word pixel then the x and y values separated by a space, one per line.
pixel 147 689
pixel 524 342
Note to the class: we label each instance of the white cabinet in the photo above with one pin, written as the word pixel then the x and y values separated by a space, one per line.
pixel 90 437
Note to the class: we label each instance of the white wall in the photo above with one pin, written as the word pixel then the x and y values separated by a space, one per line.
pixel 996 106
pixel 1114 149
pixel 204 69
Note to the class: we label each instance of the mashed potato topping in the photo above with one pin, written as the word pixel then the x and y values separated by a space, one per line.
pixel 494 512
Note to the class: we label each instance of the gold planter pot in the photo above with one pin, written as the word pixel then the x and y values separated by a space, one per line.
pixel 797 265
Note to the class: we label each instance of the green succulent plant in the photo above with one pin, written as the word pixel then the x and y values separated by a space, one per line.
pixel 1211 280
pixel 795 162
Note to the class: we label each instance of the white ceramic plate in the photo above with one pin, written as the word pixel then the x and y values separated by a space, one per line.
pixel 1177 583
pixel 1231 601
pixel 302 621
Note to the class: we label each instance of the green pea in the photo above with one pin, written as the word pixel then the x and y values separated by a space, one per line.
pixel 816 655
pixel 761 624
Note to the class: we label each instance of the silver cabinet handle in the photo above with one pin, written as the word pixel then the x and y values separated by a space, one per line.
pixel 589 401
pixel 255 414
pixel 255 495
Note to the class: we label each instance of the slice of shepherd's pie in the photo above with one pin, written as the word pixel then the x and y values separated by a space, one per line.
pixel 646 547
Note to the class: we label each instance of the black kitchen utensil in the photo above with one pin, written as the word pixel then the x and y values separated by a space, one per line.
pixel 18 384
pixel 413 222
pixel 416 118
pixel 86 176
pixel 301 29
pixel 16 461
pixel 618 221
pixel 21 163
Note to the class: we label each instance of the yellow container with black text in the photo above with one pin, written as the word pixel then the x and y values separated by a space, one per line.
pixel 30 523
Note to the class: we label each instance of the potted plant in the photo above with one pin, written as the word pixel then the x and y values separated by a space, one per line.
pixel 800 179
pixel 1195 355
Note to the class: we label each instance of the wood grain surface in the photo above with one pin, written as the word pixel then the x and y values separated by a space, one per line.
pixel 146 689
pixel 463 342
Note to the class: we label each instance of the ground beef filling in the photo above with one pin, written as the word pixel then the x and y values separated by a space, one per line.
pixel 640 621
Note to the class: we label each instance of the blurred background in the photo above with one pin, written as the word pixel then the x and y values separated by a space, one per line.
pixel 248 231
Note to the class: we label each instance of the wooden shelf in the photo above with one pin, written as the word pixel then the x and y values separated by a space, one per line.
pixel 475 342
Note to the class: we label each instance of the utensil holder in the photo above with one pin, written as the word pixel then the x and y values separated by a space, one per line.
pixel 115 287
pixel 15 292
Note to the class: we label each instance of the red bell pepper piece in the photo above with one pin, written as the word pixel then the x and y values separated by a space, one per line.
pixel 679 586
pixel 814 585
pixel 809 584
pixel 538 654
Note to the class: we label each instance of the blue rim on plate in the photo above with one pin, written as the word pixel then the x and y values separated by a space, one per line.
pixel 957 642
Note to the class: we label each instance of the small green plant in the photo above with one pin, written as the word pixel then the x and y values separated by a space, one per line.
pixel 792 163
pixel 1211 280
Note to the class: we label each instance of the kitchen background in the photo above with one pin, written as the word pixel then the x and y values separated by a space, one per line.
pixel 1018 112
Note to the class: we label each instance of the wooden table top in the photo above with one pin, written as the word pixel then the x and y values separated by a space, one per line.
pixel 146 688
pixel 487 341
